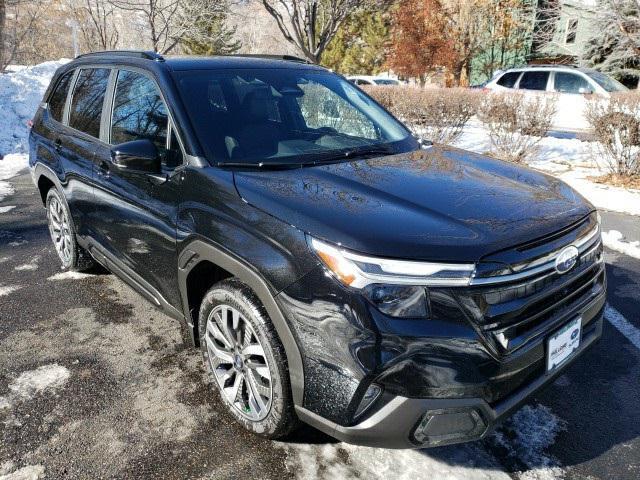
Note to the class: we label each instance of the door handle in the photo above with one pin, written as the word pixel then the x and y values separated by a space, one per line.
pixel 57 144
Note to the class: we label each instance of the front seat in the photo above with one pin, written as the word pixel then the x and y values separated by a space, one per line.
pixel 258 136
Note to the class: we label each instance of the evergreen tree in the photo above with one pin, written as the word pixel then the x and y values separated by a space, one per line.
pixel 209 34
pixel 360 44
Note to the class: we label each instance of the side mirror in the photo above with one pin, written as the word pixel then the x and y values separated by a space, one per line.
pixel 137 156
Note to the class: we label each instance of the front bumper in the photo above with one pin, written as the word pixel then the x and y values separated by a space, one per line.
pixel 394 424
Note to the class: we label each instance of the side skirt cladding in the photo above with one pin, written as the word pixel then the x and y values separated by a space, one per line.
pixel 199 251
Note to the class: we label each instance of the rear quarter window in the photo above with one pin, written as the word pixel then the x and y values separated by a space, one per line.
pixel 87 100
pixel 58 97
pixel 509 79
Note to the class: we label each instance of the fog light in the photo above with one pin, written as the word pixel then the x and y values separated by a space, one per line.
pixel 370 396
pixel 440 427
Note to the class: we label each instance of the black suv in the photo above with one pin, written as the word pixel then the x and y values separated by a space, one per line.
pixel 331 267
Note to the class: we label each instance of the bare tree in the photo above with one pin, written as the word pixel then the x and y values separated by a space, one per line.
pixel 96 21
pixel 160 17
pixel 23 15
pixel 310 24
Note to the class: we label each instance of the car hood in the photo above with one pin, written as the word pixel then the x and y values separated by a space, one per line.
pixel 440 204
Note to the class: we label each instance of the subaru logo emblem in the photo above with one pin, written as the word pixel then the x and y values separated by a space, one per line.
pixel 567 259
pixel 574 334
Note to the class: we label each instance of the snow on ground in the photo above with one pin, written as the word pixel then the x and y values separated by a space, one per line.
pixel 10 166
pixel 6 290
pixel 31 266
pixel 569 159
pixel 33 382
pixel 21 93
pixel 30 472
pixel 524 437
pixel 69 275
pixel 614 240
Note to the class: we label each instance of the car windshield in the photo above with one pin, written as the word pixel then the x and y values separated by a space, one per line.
pixel 606 82
pixel 276 116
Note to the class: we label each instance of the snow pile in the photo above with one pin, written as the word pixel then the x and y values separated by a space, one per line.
pixel 22 92
pixel 615 241
pixel 9 168
pixel 6 290
pixel 69 275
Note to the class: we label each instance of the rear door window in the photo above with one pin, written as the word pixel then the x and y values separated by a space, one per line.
pixel 571 83
pixel 58 98
pixel 509 79
pixel 88 99
pixel 534 81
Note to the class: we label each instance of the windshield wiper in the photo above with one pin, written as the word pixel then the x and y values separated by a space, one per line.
pixel 359 152
pixel 265 165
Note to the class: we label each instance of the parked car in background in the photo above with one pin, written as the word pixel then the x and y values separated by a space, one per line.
pixel 571 85
pixel 372 80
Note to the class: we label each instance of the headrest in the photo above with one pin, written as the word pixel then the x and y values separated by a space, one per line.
pixel 257 105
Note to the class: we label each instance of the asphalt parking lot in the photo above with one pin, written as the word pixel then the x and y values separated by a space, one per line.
pixel 96 383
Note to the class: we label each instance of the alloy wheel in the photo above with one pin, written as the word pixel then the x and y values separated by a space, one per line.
pixel 238 362
pixel 60 229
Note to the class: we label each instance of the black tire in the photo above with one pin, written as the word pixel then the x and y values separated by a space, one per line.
pixel 281 418
pixel 74 256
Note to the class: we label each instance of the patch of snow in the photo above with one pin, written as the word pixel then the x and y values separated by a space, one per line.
pixel 32 382
pixel 69 275
pixel 526 436
pixel 614 240
pixel 623 325
pixel 6 290
pixel 30 472
pixel 22 91
pixel 10 166
pixel 31 266
pixel 6 209
pixel 347 462
pixel 17 243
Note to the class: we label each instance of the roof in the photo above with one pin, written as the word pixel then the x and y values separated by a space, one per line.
pixel 204 63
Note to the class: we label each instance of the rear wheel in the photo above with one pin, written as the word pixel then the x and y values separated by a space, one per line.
pixel 62 231
pixel 246 359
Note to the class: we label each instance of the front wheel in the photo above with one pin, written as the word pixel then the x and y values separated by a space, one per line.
pixel 71 255
pixel 246 359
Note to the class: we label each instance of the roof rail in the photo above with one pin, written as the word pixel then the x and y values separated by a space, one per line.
pixel 546 65
pixel 288 58
pixel 146 54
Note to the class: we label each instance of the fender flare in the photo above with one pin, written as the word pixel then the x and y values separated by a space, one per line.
pixel 198 251
pixel 40 170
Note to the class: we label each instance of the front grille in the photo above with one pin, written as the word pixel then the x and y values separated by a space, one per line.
pixel 509 314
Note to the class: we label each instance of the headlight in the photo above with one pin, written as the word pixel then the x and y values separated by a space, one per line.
pixel 358 271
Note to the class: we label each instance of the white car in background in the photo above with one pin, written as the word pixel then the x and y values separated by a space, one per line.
pixel 372 80
pixel 571 85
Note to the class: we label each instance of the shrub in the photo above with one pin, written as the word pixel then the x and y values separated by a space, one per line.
pixel 516 123
pixel 615 123
pixel 437 114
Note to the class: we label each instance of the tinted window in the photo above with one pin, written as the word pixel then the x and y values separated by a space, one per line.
pixel 88 97
pixel 608 83
pixel 59 97
pixel 534 81
pixel 138 110
pixel 571 83
pixel 508 80
pixel 265 115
